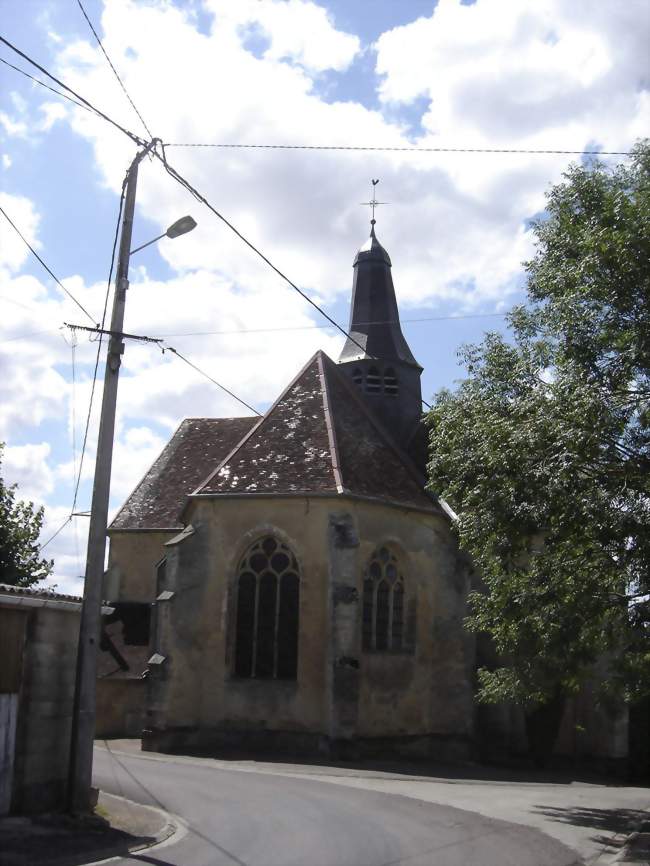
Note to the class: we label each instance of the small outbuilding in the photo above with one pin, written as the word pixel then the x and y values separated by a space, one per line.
pixel 39 630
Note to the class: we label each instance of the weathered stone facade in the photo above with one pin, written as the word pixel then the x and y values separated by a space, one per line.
pixel 343 697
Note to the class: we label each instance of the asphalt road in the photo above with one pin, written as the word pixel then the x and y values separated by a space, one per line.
pixel 255 819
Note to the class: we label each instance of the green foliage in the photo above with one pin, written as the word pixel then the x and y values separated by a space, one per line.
pixel 20 527
pixel 544 449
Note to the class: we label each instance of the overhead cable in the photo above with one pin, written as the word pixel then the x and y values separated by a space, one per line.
pixel 397 149
pixel 101 114
pixel 119 334
pixel 73 513
pixel 200 198
pixel 29 336
pixel 122 335
pixel 115 72
pixel 214 381
pixel 46 86
pixel 321 327
pixel 99 345
pixel 54 534
pixel 50 272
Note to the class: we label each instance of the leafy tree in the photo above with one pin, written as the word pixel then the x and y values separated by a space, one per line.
pixel 544 450
pixel 20 527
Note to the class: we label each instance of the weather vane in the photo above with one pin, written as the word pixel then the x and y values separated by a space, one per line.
pixel 373 203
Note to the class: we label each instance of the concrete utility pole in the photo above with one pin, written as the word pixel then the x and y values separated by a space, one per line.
pixel 83 719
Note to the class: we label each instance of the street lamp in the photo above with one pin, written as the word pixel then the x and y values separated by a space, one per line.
pixel 180 227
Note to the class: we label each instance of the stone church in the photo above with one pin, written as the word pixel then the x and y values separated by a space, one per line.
pixel 287 583
pixel 308 592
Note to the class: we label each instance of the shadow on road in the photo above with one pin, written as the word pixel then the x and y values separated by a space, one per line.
pixel 607 820
pixel 520 773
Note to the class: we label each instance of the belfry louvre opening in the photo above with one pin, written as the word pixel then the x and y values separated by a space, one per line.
pixel 268 600
pixel 376 382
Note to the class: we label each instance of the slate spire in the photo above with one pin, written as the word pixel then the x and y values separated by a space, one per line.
pixel 376 356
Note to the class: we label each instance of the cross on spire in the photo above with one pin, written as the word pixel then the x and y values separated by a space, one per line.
pixel 373 203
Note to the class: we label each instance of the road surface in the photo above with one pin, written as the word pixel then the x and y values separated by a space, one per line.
pixel 248 818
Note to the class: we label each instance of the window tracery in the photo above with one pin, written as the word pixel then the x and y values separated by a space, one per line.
pixel 388 616
pixel 268 595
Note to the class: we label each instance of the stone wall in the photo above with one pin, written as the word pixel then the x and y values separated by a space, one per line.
pixel 120 707
pixel 45 708
pixel 132 560
pixel 341 693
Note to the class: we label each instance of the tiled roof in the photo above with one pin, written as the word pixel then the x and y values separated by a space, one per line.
pixel 289 449
pixel 187 458
pixel 38 592
pixel 320 437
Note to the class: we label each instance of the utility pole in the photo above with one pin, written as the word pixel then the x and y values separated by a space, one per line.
pixel 83 718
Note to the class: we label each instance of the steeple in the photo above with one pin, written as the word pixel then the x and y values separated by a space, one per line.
pixel 376 356
pixel 374 317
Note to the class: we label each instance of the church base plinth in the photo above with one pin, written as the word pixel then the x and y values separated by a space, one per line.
pixel 301 744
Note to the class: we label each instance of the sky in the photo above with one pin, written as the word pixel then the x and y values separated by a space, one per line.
pixel 517 74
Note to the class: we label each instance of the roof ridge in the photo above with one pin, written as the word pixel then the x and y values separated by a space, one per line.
pixel 254 428
pixel 329 423
pixel 216 418
pixel 381 429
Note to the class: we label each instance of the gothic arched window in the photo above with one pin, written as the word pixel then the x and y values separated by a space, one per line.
pixel 390 382
pixel 268 595
pixel 388 621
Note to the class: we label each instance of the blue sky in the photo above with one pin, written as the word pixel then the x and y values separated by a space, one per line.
pixel 491 73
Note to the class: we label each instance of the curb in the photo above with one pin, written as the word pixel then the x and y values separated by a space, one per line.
pixel 173 826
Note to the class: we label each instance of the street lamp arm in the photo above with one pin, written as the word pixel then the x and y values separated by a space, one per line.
pixel 148 244
pixel 180 227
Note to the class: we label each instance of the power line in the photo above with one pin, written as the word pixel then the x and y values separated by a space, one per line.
pixel 158 340
pixel 36 255
pixel 92 390
pixel 46 86
pixel 325 327
pixel 120 334
pixel 99 345
pixel 197 195
pixel 333 147
pixel 115 72
pixel 214 381
pixel 101 114
pixel 387 149
pixel 73 431
pixel 28 336
pixel 54 535
pixel 183 182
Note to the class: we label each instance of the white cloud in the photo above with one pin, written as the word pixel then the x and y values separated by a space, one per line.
pixel 549 74
pixel 51 111
pixel 13 251
pixel 297 30
pixel 26 465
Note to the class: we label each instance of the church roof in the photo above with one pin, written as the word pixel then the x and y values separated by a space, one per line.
pixel 320 437
pixel 197 444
